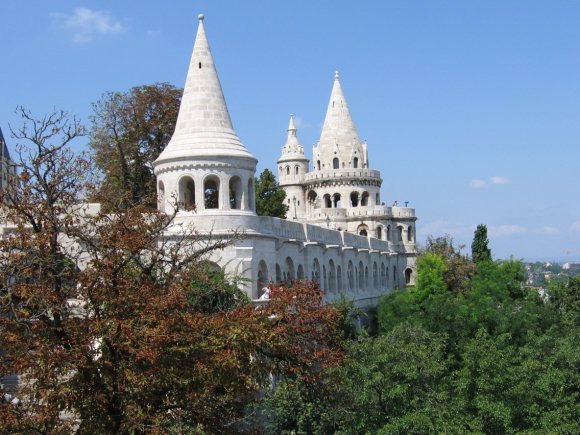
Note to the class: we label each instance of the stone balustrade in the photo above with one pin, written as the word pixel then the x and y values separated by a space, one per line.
pixel 330 174
pixel 374 210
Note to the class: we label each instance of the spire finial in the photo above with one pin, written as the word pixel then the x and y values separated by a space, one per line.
pixel 291 126
pixel 336 75
pixel 200 17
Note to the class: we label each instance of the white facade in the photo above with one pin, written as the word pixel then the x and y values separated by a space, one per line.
pixel 338 231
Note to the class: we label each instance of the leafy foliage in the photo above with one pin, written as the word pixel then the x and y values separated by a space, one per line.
pixel 269 196
pixel 116 328
pixel 479 247
pixel 129 131
pixel 469 349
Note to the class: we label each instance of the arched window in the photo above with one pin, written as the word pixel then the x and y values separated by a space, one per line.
pixel 296 170
pixel 278 273
pixel 379 233
pixel 362 230
pixel 324 278
pixel 395 277
pixel 355 163
pixel 327 201
pixel 367 283
pixel 377 199
pixel 318 164
pixel 388 233
pixel 235 193
pixel 361 276
pixel 335 163
pixel 331 277
pixel 354 199
pixel 383 276
pixel 339 278
pixel 350 275
pixel 300 272
pixel 375 275
pixel 263 277
pixel 287 170
pixel 161 196
pixel 316 271
pixel 336 200
pixel 251 195
pixel 289 268
pixel 364 200
pixel 400 233
pixel 312 197
pixel 410 234
pixel 186 193
pixel 408 275
pixel 211 191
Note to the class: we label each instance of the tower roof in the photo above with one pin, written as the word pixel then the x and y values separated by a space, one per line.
pixel 204 127
pixel 338 128
pixel 292 150
pixel 4 153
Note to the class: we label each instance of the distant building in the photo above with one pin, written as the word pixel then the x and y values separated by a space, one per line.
pixel 7 168
pixel 572 267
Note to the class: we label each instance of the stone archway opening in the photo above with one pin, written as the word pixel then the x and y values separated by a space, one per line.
pixel 186 193
pixel 236 193
pixel 211 191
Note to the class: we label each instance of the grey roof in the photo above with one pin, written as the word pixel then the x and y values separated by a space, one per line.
pixel 4 149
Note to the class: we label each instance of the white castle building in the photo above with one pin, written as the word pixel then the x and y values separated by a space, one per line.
pixel 338 231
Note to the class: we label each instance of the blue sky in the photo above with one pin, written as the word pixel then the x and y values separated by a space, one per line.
pixel 471 109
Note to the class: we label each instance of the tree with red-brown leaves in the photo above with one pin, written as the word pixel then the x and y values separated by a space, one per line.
pixel 114 320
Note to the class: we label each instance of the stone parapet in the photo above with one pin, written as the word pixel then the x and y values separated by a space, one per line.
pixel 330 174
pixel 370 211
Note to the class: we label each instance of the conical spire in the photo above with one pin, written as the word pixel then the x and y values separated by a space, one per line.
pixel 292 140
pixel 291 126
pixel 204 127
pixel 338 128
pixel 292 150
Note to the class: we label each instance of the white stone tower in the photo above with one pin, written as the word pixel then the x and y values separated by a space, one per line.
pixel 342 192
pixel 341 183
pixel 205 166
pixel 292 166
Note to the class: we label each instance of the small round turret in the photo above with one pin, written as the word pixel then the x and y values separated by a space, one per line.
pixel 292 166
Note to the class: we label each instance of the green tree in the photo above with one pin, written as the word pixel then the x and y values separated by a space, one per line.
pixel 392 383
pixel 566 299
pixel 479 247
pixel 458 268
pixel 269 196
pixel 129 130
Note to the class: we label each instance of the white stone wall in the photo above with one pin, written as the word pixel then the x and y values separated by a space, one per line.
pixel 278 250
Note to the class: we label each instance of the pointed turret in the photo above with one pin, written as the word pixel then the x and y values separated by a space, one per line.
pixel 338 125
pixel 339 145
pixel 292 166
pixel 205 168
pixel 292 148
pixel 204 127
